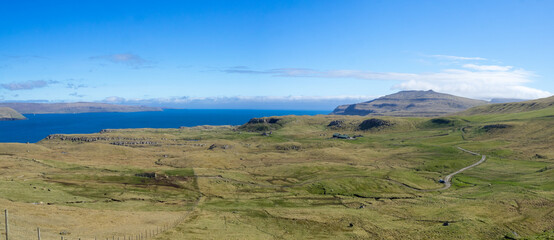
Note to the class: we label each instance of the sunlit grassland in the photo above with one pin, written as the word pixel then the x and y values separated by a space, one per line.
pixel 298 182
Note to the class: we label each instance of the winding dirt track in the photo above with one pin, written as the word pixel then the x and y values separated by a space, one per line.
pixel 448 178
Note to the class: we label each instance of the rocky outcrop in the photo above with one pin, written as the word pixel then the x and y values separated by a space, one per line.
pixel 493 127
pixel 262 124
pixel 107 131
pixel 221 146
pixel 263 120
pixel 147 175
pixel 120 141
pixel 336 124
pixel 441 121
pixel 373 123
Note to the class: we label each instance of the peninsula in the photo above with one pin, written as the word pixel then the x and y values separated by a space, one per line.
pixel 7 114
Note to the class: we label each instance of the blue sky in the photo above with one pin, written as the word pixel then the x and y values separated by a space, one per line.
pixel 283 54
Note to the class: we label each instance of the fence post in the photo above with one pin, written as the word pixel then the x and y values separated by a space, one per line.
pixel 7 226
pixel 38 233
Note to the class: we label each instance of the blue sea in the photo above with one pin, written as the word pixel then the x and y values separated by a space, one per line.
pixel 38 126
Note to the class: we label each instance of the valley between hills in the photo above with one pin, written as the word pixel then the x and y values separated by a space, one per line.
pixel 293 177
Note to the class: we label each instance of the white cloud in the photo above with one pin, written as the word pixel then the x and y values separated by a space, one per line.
pixel 457 58
pixel 473 81
pixel 128 59
pixel 27 85
pixel 114 99
pixel 481 84
pixel 187 99
pixel 487 67
pixel 246 102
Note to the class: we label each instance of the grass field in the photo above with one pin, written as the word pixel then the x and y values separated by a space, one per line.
pixel 293 182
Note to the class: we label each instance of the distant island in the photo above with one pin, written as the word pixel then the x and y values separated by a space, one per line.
pixel 79 107
pixel 410 104
pixel 8 114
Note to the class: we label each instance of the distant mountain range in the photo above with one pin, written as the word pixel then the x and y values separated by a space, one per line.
pixel 410 104
pixel 79 107
pixel 7 114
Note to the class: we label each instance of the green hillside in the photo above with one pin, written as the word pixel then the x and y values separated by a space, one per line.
pixel 7 113
pixel 514 107
pixel 291 177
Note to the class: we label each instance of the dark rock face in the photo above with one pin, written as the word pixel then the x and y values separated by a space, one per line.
pixel 147 175
pixel 262 124
pixel 373 123
pixel 119 141
pixel 336 124
pixel 215 146
pixel 263 120
pixel 288 147
pixel 384 105
pixel 256 120
pixel 495 126
pixel 273 120
pixel 440 121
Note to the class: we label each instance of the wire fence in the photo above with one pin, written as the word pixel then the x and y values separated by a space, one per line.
pixel 11 230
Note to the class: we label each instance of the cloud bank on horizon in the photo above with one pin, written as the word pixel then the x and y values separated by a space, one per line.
pixel 468 80
pixel 244 102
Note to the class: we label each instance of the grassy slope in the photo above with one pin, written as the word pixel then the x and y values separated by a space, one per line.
pixel 516 107
pixel 296 183
pixel 7 113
